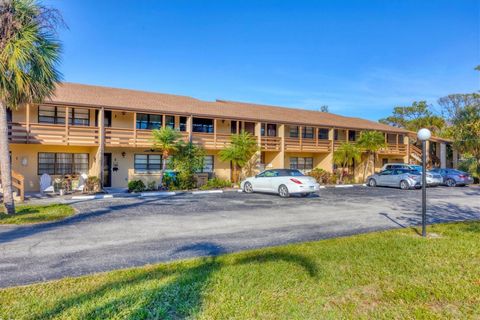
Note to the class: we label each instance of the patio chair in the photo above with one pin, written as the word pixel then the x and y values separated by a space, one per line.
pixel 81 182
pixel 46 184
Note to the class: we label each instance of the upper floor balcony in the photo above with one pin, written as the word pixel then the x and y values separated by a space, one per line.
pixel 81 126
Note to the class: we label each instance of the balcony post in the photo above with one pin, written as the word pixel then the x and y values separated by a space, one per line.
pixel 190 127
pixel 398 149
pixel 134 129
pixel 27 121
pixel 66 125
pixel 101 145
pixel 316 137
pixel 331 137
pixel 406 139
pixel 300 135
pixel 163 121
pixel 215 133
pixel 238 127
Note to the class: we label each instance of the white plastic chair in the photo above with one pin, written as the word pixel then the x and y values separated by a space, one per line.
pixel 46 184
pixel 81 182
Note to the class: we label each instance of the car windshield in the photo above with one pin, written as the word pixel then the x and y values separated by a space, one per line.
pixel 290 173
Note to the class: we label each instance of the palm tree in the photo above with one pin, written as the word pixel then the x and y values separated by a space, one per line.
pixel 241 149
pixel 166 141
pixel 29 56
pixel 371 142
pixel 346 155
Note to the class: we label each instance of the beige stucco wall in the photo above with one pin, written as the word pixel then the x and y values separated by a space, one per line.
pixel 30 153
pixel 122 120
pixel 323 161
pixel 223 126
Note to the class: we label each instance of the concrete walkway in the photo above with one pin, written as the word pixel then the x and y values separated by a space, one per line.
pixel 124 232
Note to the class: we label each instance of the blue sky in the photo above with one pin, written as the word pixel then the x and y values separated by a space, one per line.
pixel 361 58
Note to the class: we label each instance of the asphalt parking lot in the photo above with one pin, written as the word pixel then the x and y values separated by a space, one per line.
pixel 123 232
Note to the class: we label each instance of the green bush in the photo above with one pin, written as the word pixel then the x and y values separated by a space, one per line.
pixel 92 184
pixel 151 186
pixel 136 186
pixel 322 176
pixel 216 183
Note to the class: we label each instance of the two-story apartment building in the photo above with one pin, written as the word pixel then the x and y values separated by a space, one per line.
pixel 99 130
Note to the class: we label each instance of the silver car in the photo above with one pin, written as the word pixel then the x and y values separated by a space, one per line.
pixel 453 177
pixel 433 178
pixel 399 178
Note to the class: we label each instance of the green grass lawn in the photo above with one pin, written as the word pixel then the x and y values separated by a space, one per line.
pixel 390 275
pixel 36 213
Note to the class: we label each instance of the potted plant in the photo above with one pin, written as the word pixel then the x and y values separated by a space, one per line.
pixel 60 185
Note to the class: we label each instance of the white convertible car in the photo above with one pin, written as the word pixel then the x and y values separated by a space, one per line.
pixel 281 181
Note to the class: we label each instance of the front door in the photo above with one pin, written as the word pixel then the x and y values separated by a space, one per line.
pixel 107 169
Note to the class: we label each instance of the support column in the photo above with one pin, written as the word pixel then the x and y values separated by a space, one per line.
pixel 66 125
pixel 215 126
pixel 135 129
pixel 300 137
pixel 455 159
pixel 443 155
pixel 190 127
pixel 281 135
pixel 406 141
pixel 258 134
pixel 427 147
pixel 101 144
pixel 27 118
pixel 331 137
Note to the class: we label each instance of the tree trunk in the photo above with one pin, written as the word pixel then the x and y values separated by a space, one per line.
pixel 164 166
pixel 366 166
pixel 341 172
pixel 5 166
pixel 234 177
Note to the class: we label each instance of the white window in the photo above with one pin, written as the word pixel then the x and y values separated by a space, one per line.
pixel 208 164
pixel 300 163
pixel 148 163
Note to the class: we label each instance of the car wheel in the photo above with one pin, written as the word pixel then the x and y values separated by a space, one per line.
pixel 247 187
pixel 283 191
pixel 404 185
pixel 450 183
pixel 372 183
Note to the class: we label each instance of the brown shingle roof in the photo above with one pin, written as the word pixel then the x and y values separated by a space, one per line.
pixel 126 99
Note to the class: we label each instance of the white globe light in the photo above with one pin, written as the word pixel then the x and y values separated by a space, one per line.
pixel 424 134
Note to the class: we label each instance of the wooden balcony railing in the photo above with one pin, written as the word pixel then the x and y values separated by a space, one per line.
pixel 18 184
pixel 396 149
pixel 271 144
pixel 53 134
pixel 123 137
pixel 211 141
pixel 307 145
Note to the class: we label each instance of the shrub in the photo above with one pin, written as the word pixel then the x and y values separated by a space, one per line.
pixel 136 186
pixel 322 176
pixel 216 183
pixel 151 186
pixel 185 180
pixel 92 184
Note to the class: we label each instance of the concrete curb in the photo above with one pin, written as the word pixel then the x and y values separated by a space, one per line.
pixel 158 194
pixel 92 197
pixel 207 191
